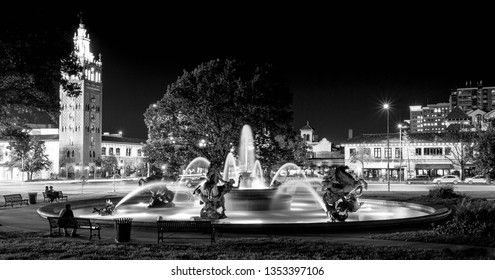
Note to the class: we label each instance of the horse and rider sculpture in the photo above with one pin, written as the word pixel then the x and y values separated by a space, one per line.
pixel 342 193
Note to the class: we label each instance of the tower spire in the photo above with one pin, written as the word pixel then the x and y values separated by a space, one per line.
pixel 80 16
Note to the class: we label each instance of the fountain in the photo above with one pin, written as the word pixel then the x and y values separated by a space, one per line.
pixel 289 201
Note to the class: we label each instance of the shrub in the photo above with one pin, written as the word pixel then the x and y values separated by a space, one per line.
pixel 443 192
pixel 474 218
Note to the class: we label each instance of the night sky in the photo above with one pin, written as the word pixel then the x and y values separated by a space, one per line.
pixel 341 64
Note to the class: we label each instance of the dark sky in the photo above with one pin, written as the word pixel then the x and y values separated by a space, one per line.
pixel 340 63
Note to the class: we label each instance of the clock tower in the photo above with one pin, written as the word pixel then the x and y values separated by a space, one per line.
pixel 80 121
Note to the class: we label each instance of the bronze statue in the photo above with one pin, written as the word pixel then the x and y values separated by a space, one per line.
pixel 108 209
pixel 162 198
pixel 212 196
pixel 342 193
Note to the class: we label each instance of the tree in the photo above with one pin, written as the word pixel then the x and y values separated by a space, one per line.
pixel 109 164
pixel 36 60
pixel 484 157
pixel 288 148
pixel 29 156
pixel 461 146
pixel 361 155
pixel 162 151
pixel 203 112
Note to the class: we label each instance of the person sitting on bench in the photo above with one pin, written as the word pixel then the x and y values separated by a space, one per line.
pixel 67 220
pixel 52 194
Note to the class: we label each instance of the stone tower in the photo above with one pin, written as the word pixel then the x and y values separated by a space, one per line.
pixel 80 122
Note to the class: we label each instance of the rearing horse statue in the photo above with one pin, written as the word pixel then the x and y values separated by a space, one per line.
pixel 342 193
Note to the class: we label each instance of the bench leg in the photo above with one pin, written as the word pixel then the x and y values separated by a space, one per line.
pixel 90 234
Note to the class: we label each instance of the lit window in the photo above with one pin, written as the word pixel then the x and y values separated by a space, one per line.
pixel 377 152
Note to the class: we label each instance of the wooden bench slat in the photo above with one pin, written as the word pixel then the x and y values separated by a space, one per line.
pixel 14 198
pixel 205 226
pixel 61 197
pixel 80 223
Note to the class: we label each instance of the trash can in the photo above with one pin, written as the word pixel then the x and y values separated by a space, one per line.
pixel 32 197
pixel 123 229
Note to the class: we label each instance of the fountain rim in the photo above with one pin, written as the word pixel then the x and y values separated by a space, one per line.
pixel 435 213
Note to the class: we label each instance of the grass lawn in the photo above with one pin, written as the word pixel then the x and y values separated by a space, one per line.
pixel 37 246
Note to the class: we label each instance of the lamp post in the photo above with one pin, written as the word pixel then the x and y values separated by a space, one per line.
pixel 387 154
pixel 113 178
pixel 400 151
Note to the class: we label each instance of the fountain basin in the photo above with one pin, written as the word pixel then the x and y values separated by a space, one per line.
pixel 257 200
pixel 374 215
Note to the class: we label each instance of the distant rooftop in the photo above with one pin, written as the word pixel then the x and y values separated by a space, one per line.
pixel 120 139
pixel 394 137
pixel 457 114
pixel 307 127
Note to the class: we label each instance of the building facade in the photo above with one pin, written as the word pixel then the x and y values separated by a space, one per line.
pixel 322 151
pixel 473 97
pixel 405 156
pixel 128 153
pixel 430 118
pixel 80 118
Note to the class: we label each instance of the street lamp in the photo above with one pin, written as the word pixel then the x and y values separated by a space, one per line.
pixel 400 151
pixel 387 154
pixel 202 143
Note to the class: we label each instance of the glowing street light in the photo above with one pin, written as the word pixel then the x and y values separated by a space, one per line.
pixel 202 143
pixel 387 154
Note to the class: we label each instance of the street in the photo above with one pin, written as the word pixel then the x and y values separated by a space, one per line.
pixel 127 185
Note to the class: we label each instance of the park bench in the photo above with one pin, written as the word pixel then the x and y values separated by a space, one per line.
pixel 61 197
pixel 14 198
pixel 79 223
pixel 205 227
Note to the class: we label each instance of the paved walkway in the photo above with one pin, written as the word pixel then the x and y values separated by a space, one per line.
pixel 15 219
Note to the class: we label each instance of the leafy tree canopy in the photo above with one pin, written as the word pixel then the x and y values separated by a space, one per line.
pixel 29 155
pixel 485 152
pixel 36 59
pixel 203 112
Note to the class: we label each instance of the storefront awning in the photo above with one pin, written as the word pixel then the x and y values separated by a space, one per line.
pixel 434 166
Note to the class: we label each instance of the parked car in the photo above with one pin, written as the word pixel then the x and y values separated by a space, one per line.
pixel 480 179
pixel 419 179
pixel 447 179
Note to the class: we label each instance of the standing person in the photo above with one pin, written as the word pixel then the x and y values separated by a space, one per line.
pixel 67 219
